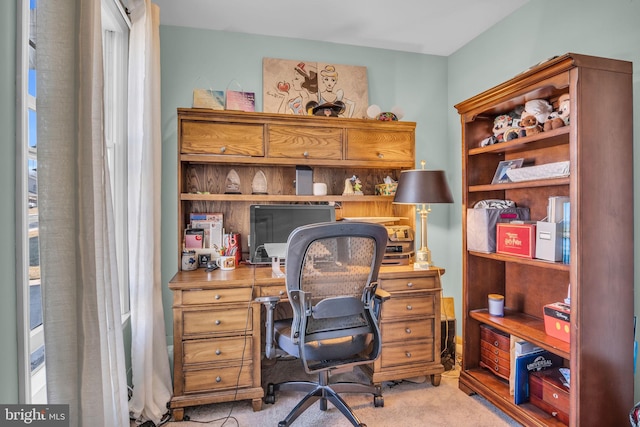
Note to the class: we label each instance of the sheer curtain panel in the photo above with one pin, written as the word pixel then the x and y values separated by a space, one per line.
pixel 149 357
pixel 83 335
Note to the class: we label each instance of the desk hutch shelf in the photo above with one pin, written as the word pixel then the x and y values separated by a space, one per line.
pixel 598 142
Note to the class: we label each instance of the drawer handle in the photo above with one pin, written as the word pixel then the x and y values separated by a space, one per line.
pixel 554 413
pixel 305 154
pixel 218 379
pixel 497 368
pixel 217 297
pixel 223 149
pixel 495 360
pixel 555 395
pixel 408 330
pixel 408 354
pixel 496 351
pixel 281 292
pixel 380 156
pixel 496 343
pixel 218 352
pixel 410 285
pixel 218 322
pixel 409 307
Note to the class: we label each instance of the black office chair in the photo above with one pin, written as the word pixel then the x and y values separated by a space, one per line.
pixel 331 278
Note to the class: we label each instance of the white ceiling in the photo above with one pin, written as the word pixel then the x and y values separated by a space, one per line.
pixel 437 27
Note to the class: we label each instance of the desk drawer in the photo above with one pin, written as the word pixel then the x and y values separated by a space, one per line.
pixel 217 350
pixel 222 138
pixel 216 321
pixel 409 284
pixel 217 379
pixel 216 296
pixel 408 306
pixel 411 329
pixel 273 291
pixel 305 142
pixel 547 392
pixel 410 352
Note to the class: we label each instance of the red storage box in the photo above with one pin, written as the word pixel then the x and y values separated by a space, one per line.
pixel 548 391
pixel 517 239
pixel 557 320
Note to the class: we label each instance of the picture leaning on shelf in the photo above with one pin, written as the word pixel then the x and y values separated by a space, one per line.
pixel 500 176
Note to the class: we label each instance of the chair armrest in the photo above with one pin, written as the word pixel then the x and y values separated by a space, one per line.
pixel 382 295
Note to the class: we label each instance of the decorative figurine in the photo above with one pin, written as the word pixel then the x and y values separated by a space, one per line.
pixel 352 187
pixel 232 183
pixel 348 188
pixel 259 184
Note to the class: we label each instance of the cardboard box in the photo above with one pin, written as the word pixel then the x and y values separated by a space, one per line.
pixel 557 320
pixel 549 240
pixel 516 239
pixel 481 226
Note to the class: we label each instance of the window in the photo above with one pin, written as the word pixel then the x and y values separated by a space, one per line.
pixel 32 367
pixel 115 42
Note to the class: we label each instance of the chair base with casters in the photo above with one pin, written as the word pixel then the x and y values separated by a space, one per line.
pixel 323 391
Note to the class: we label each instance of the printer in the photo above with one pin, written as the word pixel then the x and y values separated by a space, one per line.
pixel 400 245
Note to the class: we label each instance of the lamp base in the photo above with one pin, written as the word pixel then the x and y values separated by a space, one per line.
pixel 423 259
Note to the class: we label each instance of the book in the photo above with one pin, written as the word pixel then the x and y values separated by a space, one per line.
pixel 212 224
pixel 527 363
pixel 205 98
pixel 566 233
pixel 242 101
pixel 193 238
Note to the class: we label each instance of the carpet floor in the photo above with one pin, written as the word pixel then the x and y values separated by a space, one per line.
pixel 414 403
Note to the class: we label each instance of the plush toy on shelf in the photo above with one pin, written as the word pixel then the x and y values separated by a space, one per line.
pixel 560 117
pixel 530 125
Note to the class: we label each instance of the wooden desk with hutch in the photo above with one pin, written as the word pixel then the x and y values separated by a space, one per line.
pixel 217 332
pixel 217 328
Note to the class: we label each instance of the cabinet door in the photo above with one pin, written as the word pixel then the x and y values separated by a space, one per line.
pixel 365 144
pixel 240 139
pixel 305 142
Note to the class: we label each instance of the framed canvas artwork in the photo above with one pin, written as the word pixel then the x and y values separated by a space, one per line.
pixel 305 88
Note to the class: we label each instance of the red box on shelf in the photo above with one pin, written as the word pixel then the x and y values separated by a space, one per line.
pixel 517 239
pixel 557 320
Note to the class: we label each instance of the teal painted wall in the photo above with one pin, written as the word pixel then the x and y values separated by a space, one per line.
pixel 8 320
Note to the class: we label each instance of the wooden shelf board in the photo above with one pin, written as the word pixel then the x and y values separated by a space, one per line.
pixel 550 182
pixel 524 326
pixel 544 139
pixel 280 198
pixel 496 391
pixel 520 260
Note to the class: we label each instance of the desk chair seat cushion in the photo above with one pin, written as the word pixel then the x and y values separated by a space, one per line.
pixel 337 348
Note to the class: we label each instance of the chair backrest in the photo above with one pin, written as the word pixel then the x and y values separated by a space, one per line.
pixel 331 276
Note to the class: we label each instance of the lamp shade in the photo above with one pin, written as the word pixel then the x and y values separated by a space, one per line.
pixel 418 186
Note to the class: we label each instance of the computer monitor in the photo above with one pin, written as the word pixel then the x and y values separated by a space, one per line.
pixel 273 224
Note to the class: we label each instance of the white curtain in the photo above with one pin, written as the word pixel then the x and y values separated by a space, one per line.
pixel 83 336
pixel 149 357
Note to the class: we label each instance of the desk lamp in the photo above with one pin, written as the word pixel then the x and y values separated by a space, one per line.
pixel 423 187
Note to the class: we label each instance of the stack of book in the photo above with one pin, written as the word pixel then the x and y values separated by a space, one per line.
pixel 566 247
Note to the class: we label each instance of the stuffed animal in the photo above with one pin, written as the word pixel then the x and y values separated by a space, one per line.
pixel 500 124
pixel 539 108
pixel 560 117
pixel 530 125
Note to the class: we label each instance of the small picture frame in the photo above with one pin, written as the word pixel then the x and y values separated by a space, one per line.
pixel 203 259
pixel 500 176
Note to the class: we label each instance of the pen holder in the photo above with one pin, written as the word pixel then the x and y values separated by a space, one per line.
pixel 233 244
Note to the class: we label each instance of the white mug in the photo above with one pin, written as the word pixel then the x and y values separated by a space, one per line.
pixel 496 305
pixel 226 262
pixel 319 189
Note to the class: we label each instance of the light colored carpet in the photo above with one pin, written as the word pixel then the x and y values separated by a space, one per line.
pixel 407 403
